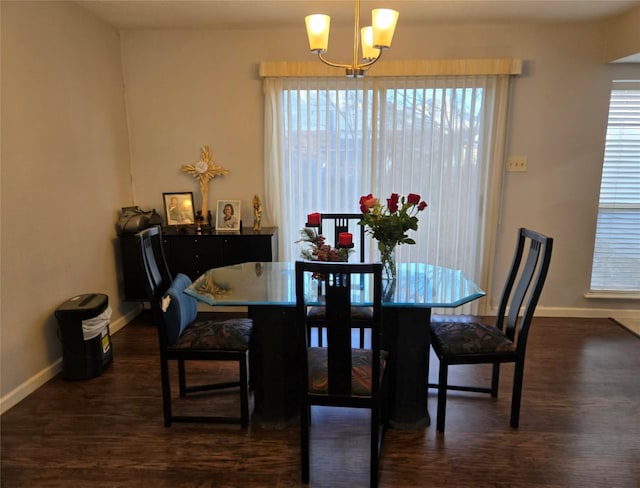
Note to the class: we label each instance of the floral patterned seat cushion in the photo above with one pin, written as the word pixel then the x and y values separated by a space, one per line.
pixel 456 338
pixel 360 371
pixel 230 334
pixel 184 333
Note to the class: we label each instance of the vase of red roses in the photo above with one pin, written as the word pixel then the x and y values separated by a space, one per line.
pixel 389 224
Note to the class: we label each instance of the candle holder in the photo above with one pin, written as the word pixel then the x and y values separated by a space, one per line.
pixel 346 246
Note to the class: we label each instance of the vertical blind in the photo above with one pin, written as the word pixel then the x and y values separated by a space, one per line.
pixel 616 259
pixel 332 140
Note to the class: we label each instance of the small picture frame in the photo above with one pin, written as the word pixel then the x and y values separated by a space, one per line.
pixel 178 208
pixel 228 215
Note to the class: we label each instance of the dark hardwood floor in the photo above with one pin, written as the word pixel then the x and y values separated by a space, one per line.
pixel 579 427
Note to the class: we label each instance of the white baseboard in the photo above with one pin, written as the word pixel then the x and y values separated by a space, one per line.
pixel 586 313
pixel 32 384
pixel 581 313
pixel 125 319
pixel 36 381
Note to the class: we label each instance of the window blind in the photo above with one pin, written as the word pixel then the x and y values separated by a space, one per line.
pixel 332 140
pixel 616 259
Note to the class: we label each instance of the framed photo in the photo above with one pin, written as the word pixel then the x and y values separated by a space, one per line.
pixel 228 215
pixel 178 207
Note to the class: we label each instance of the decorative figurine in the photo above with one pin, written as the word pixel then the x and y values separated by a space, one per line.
pixel 199 222
pixel 257 213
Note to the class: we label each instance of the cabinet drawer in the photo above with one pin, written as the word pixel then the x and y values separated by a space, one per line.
pixel 194 255
pixel 246 248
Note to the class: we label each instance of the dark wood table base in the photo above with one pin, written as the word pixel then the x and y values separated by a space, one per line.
pixel 275 360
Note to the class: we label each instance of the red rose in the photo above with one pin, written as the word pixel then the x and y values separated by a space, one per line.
pixel 392 204
pixel 413 198
pixel 422 205
pixel 367 202
pixel 365 198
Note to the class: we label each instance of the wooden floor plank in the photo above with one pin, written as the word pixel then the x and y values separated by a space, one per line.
pixel 579 427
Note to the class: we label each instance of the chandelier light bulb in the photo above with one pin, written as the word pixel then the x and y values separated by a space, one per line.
pixel 384 25
pixel 368 51
pixel 318 32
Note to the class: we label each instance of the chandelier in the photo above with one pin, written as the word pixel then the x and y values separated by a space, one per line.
pixel 373 38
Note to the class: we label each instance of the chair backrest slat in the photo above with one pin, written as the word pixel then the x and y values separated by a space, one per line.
pixel 528 279
pixel 338 325
pixel 157 277
pixel 337 280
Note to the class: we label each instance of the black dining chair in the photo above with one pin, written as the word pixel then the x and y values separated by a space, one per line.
pixel 505 341
pixel 341 374
pixel 337 223
pixel 183 338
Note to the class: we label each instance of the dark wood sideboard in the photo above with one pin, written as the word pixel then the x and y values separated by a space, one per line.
pixel 192 254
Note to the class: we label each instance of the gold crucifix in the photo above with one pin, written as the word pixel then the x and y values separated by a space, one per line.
pixel 204 170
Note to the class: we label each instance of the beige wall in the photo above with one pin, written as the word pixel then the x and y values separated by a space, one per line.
pixel 189 88
pixel 65 148
pixel 65 173
pixel 623 40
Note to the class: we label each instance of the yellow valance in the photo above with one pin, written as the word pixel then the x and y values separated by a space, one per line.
pixel 435 67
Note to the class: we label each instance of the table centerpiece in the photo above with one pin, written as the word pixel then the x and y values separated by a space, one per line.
pixel 389 224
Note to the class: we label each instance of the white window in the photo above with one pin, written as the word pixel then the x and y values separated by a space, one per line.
pixel 616 257
pixel 332 140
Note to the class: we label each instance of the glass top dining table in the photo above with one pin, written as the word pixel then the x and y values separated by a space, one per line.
pixel 267 289
pixel 273 283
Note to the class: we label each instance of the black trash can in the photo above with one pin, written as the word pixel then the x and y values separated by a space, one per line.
pixel 83 323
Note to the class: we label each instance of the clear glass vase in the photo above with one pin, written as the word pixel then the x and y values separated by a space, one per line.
pixel 388 260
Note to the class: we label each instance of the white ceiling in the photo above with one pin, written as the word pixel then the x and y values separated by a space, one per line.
pixel 238 14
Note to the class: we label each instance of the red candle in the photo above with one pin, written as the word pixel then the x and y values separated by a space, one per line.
pixel 345 239
pixel 313 219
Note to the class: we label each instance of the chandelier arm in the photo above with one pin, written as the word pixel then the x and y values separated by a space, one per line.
pixel 369 63
pixel 343 65
pixel 330 63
